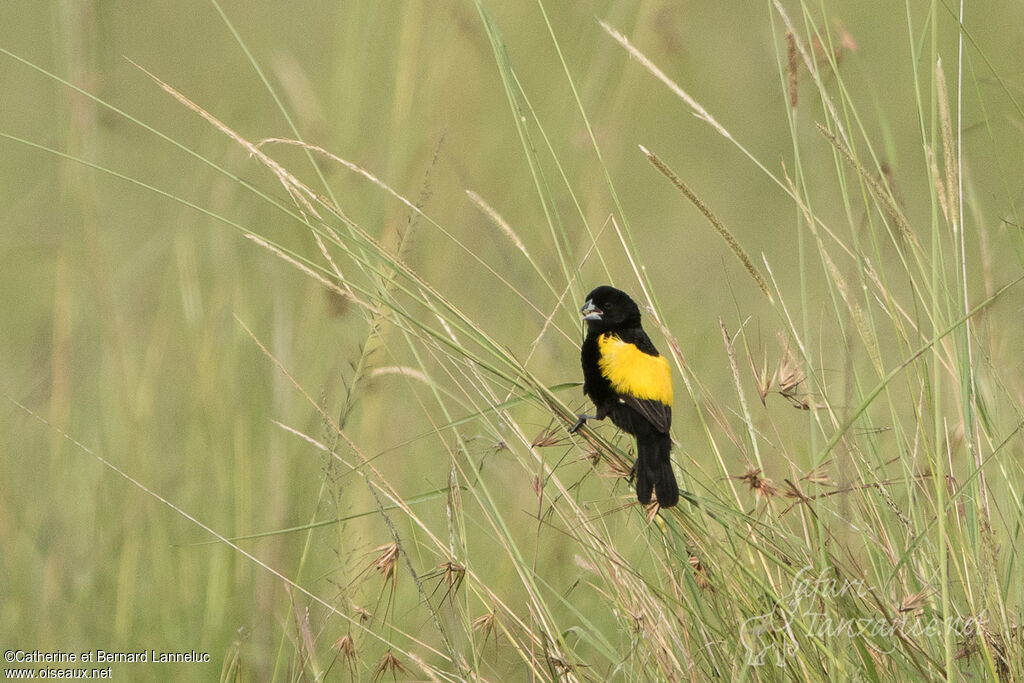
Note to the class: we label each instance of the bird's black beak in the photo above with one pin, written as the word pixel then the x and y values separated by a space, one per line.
pixel 590 311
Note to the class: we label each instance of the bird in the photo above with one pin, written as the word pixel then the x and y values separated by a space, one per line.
pixel 630 382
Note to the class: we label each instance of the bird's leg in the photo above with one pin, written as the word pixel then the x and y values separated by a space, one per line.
pixel 602 413
pixel 580 421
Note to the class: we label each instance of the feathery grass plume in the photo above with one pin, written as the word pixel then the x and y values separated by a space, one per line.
pixel 712 218
pixel 496 218
pixel 948 149
pixel 791 68
pixel 940 187
pixel 306 641
pixel 700 111
pixel 877 190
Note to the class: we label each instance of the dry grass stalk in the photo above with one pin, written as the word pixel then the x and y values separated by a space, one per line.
pixel 875 188
pixel 712 218
pixel 792 490
pixel 640 57
pixel 334 288
pixel 856 312
pixel 496 218
pixel 617 469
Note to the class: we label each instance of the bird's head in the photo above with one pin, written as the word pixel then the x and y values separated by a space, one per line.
pixel 608 308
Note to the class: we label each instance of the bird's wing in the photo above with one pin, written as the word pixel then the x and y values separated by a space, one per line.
pixel 655 412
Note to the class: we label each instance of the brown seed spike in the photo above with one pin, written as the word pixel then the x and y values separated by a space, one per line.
pixel 793 64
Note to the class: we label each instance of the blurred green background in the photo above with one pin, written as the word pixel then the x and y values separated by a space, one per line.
pixel 118 322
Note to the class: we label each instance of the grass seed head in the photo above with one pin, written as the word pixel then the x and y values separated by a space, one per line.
pixel 346 646
pixel 761 486
pixel 793 63
pixel 362 614
pixel 700 573
pixel 387 563
pixel 550 436
pixel 388 664
pixel 915 602
pixel 486 624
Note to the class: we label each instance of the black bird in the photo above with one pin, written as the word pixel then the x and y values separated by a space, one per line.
pixel 630 382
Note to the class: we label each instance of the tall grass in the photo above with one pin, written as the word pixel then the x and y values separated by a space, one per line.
pixel 853 503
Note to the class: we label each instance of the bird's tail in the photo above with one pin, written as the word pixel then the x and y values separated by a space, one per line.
pixel 654 470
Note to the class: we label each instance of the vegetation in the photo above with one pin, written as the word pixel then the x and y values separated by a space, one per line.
pixel 291 350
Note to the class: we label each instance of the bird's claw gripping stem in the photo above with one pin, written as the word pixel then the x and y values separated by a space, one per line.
pixel 579 423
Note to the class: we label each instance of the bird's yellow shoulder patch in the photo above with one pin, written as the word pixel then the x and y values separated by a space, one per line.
pixel 633 372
